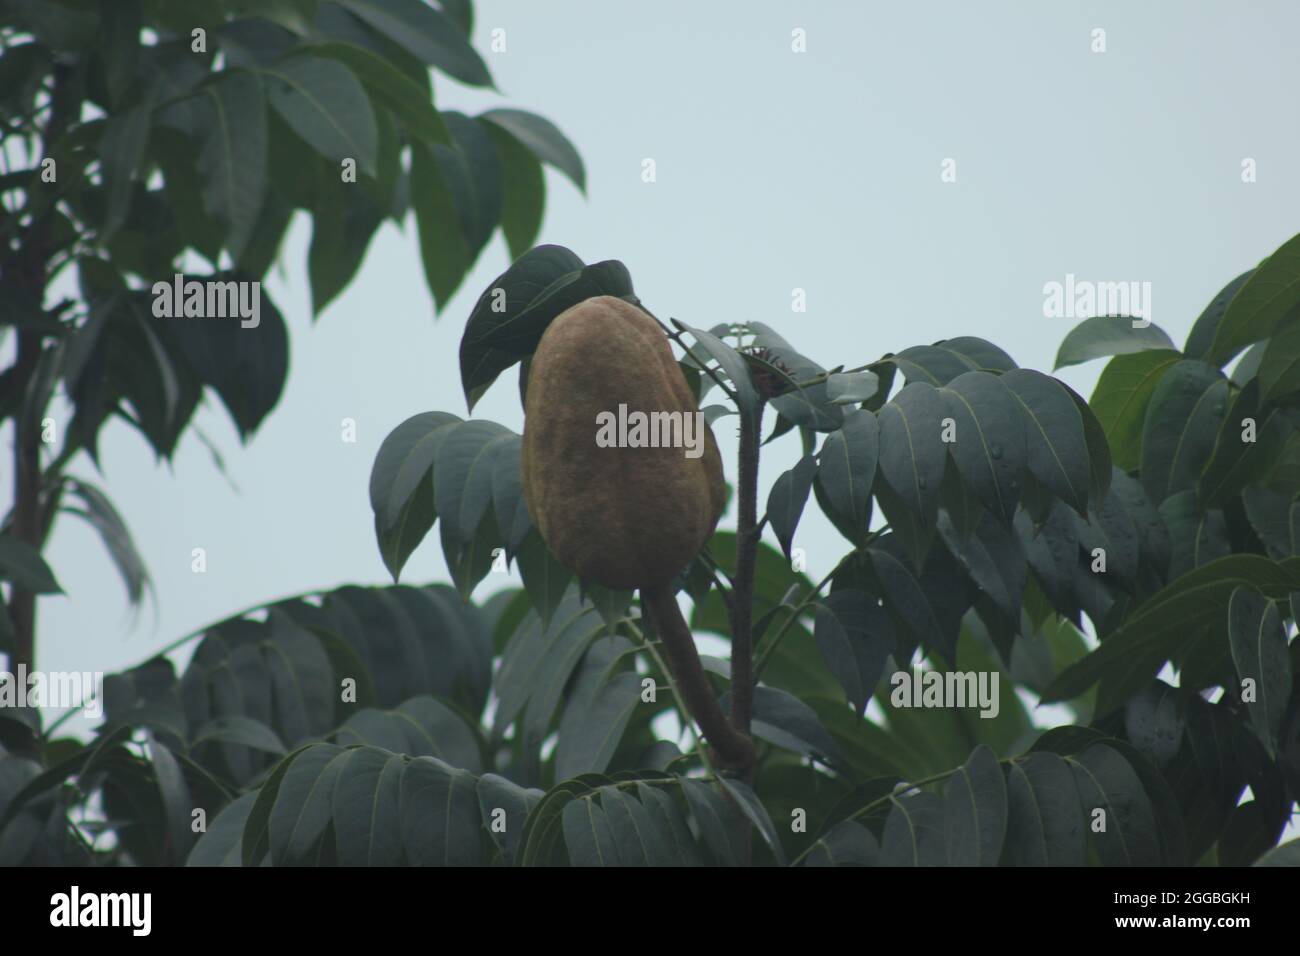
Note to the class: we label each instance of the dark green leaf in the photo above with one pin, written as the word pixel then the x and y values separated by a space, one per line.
pixel 975 811
pixel 233 155
pixel 523 192
pixel 785 502
pixel 1121 398
pixel 1181 423
pixel 988 449
pixel 845 473
pixel 324 104
pixel 1260 654
pixel 510 316
pixel 1272 291
pixel 1057 447
pixel 1104 335
pixel 914 831
pixel 100 514
pixel 912 453
pixel 23 566
pixel 427 34
pixel 855 637
pixel 544 139
pixel 847 844
pixel 1045 821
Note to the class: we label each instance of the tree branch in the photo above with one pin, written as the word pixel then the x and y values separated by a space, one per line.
pixel 732 749
pixel 742 637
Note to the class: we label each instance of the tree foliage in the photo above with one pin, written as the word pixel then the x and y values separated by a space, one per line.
pixel 143 139
pixel 991 517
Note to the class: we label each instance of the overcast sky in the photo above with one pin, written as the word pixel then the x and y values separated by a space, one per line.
pixel 776 170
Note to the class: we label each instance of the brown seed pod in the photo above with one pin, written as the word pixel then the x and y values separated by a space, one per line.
pixel 622 517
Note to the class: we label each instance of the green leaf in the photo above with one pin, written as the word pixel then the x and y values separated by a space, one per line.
pixel 1206 325
pixel 405 459
pixel 1279 365
pixel 914 831
pixel 988 449
pixel 543 138
pixel 1056 444
pixel 1261 656
pixel 978 353
pixel 508 503
pixel 1182 420
pixel 122 151
pixel 470 169
pixel 786 501
pixel 993 558
pixel 410 104
pixel 1107 782
pixel 23 566
pixel 784 720
pixel 588 835
pixel 504 800
pixel 975 811
pixel 238 729
pixel 846 844
pixel 401 485
pixel 469 561
pixel 851 388
pixel 421 727
pixel 855 637
pixel 444 251
pixel 1287 854
pixel 1121 397
pixel 598 712
pixel 1272 291
pixel 343 224
pixel 1154 547
pixel 1133 653
pixel 1045 819
pixel 1105 335
pixel 932 364
pixel 1236 462
pixel 912 454
pixel 511 315
pixel 175 797
pixel 809 406
pixel 1154 723
pixel 545 579
pixel 234 155
pixel 1274 516
pixel 221 844
pixel 247 366
pixel 845 472
pixel 1196 537
pixel 365 810
pixel 523 192
pixel 712 817
pixel 427 34
pixel 755 812
pixel 439 814
pixel 537 665
pixel 324 104
pixel 733 365
pixel 462 475
pixel 927 606
pixel 260 834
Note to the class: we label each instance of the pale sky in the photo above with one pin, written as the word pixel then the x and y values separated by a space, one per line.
pixel 776 170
